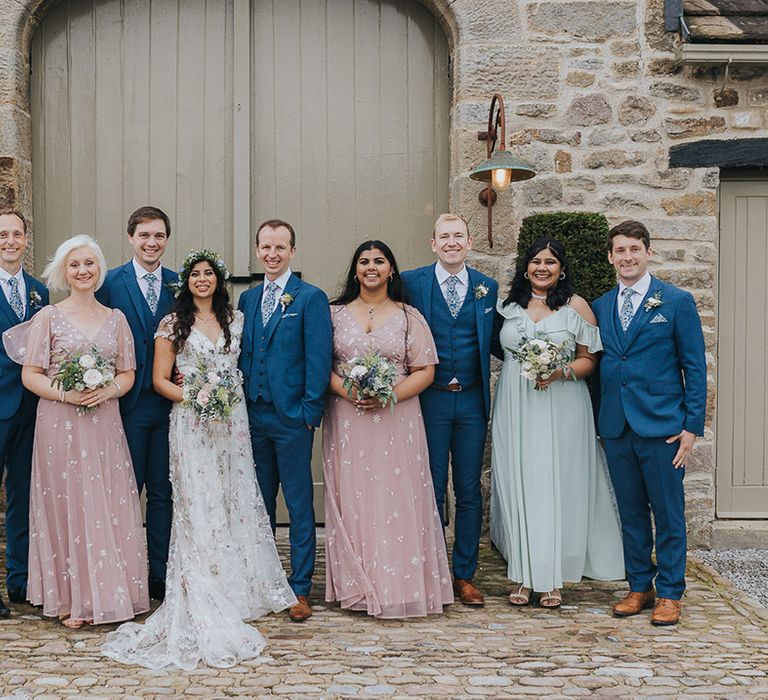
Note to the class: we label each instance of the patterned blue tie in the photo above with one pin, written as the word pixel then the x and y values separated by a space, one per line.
pixel 15 298
pixel 268 303
pixel 452 295
pixel 627 310
pixel 151 292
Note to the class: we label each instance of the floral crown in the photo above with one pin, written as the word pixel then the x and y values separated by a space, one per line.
pixel 196 256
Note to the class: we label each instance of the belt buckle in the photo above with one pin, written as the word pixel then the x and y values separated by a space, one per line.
pixel 455 386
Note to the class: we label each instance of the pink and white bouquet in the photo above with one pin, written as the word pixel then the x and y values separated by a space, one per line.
pixel 82 372
pixel 372 377
pixel 540 357
pixel 212 394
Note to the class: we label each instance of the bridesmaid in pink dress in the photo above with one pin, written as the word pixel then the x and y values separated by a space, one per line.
pixel 87 553
pixel 385 551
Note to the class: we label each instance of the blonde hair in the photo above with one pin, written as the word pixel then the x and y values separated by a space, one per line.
pixel 55 272
pixel 449 217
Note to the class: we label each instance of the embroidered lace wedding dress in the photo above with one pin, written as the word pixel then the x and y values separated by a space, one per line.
pixel 223 567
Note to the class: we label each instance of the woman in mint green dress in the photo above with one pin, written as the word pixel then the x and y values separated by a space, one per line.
pixel 553 516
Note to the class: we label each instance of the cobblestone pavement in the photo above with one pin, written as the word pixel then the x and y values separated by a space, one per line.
pixel 720 650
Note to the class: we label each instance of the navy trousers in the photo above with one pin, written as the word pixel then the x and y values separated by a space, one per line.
pixel 283 457
pixel 146 429
pixel 456 427
pixel 16 436
pixel 645 482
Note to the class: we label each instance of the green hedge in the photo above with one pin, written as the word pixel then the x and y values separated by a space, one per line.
pixel 585 237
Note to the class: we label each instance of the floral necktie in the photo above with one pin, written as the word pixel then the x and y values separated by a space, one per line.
pixel 15 298
pixel 151 292
pixel 452 295
pixel 627 310
pixel 268 303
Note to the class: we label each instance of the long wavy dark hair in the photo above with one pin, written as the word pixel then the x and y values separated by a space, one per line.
pixel 351 289
pixel 557 296
pixel 185 308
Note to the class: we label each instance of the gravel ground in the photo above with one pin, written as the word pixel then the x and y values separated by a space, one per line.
pixel 747 569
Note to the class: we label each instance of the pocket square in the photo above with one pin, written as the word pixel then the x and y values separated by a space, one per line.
pixel 659 318
pixel 289 315
pixel 489 309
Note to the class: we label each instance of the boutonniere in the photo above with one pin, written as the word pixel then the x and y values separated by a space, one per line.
pixel 174 288
pixel 35 300
pixel 653 302
pixel 285 301
pixel 480 290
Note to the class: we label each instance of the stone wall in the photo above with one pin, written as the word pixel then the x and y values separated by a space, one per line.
pixel 594 101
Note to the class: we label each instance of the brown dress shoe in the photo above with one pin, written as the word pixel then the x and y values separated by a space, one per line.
pixel 467 592
pixel 302 610
pixel 666 612
pixel 634 603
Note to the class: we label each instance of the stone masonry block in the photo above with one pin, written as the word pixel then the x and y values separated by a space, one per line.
pixel 588 21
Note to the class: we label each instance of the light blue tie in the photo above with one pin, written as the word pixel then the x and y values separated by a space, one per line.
pixel 452 295
pixel 627 310
pixel 15 298
pixel 268 303
pixel 151 292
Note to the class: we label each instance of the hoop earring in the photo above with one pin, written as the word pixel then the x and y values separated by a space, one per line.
pixel 357 281
pixel 562 275
pixel 525 274
pixel 391 276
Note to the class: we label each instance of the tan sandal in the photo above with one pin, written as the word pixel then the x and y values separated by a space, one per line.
pixel 551 599
pixel 67 621
pixel 521 596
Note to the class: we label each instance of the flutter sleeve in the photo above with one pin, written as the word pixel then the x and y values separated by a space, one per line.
pixel 165 328
pixel 126 351
pixel 29 343
pixel 420 347
pixel 583 331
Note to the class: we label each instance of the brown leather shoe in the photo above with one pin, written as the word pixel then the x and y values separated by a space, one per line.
pixel 634 603
pixel 467 592
pixel 302 610
pixel 666 612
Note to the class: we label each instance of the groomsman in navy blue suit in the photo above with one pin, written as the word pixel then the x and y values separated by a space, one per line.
pixel 143 290
pixel 22 296
pixel 286 362
pixel 653 392
pixel 458 303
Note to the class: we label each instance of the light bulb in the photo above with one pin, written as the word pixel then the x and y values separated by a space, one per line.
pixel 501 177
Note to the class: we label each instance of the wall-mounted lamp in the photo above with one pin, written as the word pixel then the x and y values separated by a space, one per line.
pixel 502 167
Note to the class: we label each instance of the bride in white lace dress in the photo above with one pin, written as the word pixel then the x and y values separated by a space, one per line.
pixel 223 567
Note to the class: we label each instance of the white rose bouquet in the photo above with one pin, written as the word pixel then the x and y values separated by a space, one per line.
pixel 540 357
pixel 210 393
pixel 372 377
pixel 84 371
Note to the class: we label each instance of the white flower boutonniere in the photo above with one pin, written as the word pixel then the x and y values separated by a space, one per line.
pixel 285 301
pixel 35 300
pixel 174 288
pixel 653 302
pixel 480 290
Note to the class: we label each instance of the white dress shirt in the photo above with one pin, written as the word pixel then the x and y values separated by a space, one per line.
pixel 143 285
pixel 4 277
pixel 282 283
pixel 461 287
pixel 639 289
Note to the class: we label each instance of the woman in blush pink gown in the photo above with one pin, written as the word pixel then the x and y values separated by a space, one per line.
pixel 385 551
pixel 87 553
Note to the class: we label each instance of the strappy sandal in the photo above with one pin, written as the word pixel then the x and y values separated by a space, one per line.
pixel 68 622
pixel 551 599
pixel 521 596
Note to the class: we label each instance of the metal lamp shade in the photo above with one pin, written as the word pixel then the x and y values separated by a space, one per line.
pixel 503 160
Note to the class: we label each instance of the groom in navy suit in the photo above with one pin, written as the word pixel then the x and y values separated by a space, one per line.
pixel 653 392
pixel 458 303
pixel 143 290
pixel 286 361
pixel 22 297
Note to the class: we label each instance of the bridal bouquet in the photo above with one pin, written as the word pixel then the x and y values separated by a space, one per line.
pixel 371 376
pixel 540 357
pixel 84 371
pixel 212 394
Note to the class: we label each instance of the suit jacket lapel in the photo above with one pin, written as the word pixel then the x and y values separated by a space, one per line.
pixel 6 309
pixel 29 281
pixel 291 288
pixel 427 280
pixel 641 316
pixel 137 298
pixel 166 298
pixel 479 305
pixel 613 328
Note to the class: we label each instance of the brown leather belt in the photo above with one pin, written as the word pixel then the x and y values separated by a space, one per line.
pixel 455 386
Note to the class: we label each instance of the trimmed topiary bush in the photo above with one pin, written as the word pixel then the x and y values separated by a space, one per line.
pixel 585 237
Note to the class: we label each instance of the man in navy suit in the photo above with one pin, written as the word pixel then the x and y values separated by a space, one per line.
pixel 286 361
pixel 653 392
pixel 458 303
pixel 143 290
pixel 22 297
